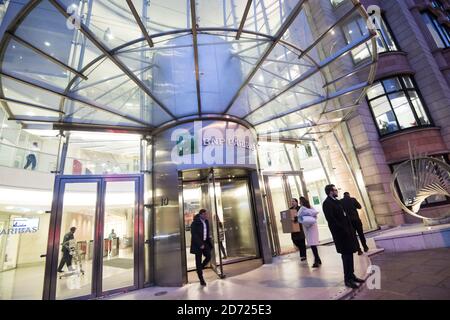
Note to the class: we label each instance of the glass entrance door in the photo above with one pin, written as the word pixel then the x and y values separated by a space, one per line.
pixel 281 189
pixel 95 247
pixel 216 254
pixel 232 224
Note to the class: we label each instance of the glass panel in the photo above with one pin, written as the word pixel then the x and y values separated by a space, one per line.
pixel 384 115
pixel 402 110
pixel 392 84
pixel 220 13
pixel 235 210
pixel 353 31
pixel 46 28
pixel 434 33
pixel 77 245
pixel 26 64
pixel 408 82
pixel 375 91
pixel 169 15
pixel 418 107
pixel 279 202
pixel 192 197
pixel 214 220
pixel 295 186
pixel 386 39
pixel 23 239
pixel 102 153
pixel 118 235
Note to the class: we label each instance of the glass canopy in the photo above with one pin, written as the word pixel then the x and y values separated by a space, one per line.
pixel 279 65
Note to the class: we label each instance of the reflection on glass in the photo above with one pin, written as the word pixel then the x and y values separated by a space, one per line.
pixel 234 210
pixel 192 197
pixel 102 153
pixel 21 266
pixel 118 235
pixel 279 202
pixel 77 245
pixel 233 230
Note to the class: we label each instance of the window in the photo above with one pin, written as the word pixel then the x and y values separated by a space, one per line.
pixel 440 33
pixel 437 4
pixel 336 3
pixel 396 105
pixel 357 28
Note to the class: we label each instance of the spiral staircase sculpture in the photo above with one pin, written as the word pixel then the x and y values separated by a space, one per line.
pixel 428 177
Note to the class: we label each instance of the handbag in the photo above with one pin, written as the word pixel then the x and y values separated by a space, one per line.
pixel 307 221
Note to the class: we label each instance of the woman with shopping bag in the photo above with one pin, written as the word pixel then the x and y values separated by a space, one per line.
pixel 307 216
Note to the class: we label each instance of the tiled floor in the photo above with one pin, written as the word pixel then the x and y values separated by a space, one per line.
pixel 412 275
pixel 285 279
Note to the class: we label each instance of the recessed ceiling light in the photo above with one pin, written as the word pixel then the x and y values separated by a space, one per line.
pixel 47 44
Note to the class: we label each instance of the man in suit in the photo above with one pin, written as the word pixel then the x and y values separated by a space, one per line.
pixel 351 206
pixel 201 244
pixel 344 236
pixel 67 257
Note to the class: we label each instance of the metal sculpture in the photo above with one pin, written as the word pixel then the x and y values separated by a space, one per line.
pixel 421 177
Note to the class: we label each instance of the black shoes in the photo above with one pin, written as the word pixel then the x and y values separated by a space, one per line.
pixel 317 263
pixel 351 284
pixel 358 280
pixel 302 258
pixel 360 252
pixel 60 271
pixel 202 282
pixel 366 248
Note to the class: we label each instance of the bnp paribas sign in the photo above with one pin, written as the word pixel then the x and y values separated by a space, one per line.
pixel 21 225
pixel 213 145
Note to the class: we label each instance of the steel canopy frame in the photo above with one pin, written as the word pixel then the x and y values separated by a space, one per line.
pixel 194 30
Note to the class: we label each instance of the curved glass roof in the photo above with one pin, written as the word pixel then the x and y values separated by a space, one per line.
pixel 276 64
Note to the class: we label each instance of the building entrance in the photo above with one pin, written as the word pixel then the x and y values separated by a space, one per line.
pixel 94 247
pixel 281 187
pixel 226 194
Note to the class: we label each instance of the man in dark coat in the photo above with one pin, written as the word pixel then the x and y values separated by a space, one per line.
pixel 351 206
pixel 344 236
pixel 67 257
pixel 201 244
pixel 298 238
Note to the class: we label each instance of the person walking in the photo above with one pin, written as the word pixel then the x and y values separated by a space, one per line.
pixel 31 157
pixel 311 229
pixel 201 244
pixel 343 234
pixel 298 238
pixel 351 206
pixel 67 257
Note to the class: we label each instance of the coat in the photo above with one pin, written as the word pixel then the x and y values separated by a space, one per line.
pixel 197 235
pixel 341 228
pixel 351 206
pixel 311 232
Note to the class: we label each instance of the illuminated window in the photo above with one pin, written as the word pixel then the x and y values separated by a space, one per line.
pixel 357 28
pixel 439 32
pixel 396 105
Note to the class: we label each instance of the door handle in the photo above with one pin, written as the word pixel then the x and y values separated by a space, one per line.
pixel 43 255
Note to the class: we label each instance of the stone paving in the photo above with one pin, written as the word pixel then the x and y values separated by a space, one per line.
pixel 423 275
